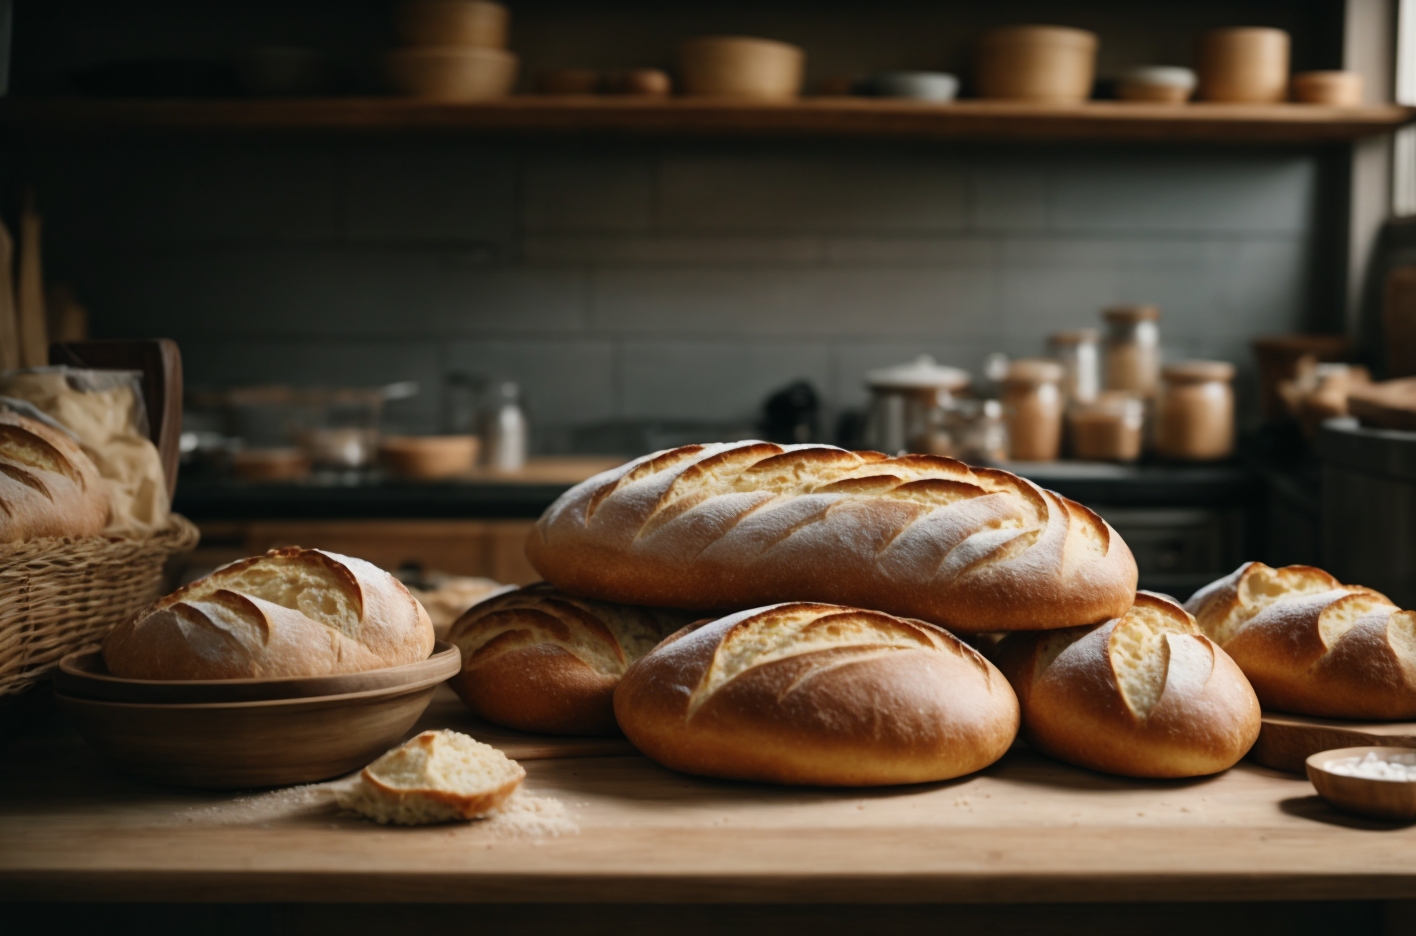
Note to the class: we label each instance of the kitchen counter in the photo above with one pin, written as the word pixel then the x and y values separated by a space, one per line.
pixel 1026 830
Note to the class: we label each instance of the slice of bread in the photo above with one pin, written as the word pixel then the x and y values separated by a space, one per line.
pixel 438 776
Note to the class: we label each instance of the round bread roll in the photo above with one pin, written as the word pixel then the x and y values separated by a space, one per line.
pixel 291 612
pixel 1311 645
pixel 817 694
pixel 1145 695
pixel 48 486
pixel 752 523
pixel 536 659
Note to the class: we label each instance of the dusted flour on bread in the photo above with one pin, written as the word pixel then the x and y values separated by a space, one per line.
pixel 752 523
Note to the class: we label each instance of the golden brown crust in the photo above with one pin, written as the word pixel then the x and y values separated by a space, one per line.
pixel 751 523
pixel 1145 695
pixel 48 486
pixel 805 693
pixel 1311 645
pixel 536 659
pixel 247 621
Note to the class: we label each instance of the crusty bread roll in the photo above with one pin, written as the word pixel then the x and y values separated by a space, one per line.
pixel 48 486
pixel 537 659
pixel 1144 695
pixel 751 523
pixel 291 612
pixel 437 776
pixel 1311 645
pixel 817 694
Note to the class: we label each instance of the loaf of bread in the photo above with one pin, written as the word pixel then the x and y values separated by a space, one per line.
pixel 48 486
pixel 537 659
pixel 817 694
pixel 752 523
pixel 1145 695
pixel 291 612
pixel 437 776
pixel 1311 645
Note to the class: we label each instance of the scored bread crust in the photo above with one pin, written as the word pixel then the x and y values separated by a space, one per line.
pixel 824 695
pixel 1312 645
pixel 1144 695
pixel 211 630
pixel 536 659
pixel 48 486
pixel 752 523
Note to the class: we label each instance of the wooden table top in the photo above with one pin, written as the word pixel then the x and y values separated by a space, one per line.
pixel 624 830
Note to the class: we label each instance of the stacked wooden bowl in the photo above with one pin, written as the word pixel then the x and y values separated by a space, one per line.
pixel 241 733
pixel 455 50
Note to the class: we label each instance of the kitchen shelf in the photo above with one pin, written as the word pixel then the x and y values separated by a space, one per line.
pixel 810 117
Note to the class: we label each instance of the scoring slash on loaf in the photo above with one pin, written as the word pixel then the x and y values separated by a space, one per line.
pixel 437 776
pixel 817 694
pixel 752 523
pixel 1145 695
pixel 1311 645
pixel 291 612
pixel 48 486
pixel 536 659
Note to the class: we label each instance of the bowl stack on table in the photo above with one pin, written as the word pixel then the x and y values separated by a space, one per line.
pixel 454 50
pixel 829 590
pixel 294 666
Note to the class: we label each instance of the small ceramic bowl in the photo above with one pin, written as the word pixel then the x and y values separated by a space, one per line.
pixel 939 87
pixel 82 675
pixel 241 745
pixel 1381 799
pixel 1157 84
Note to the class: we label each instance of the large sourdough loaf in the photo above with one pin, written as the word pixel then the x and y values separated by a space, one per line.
pixel 752 523
pixel 1311 645
pixel 48 486
pixel 291 612
pixel 1145 695
pixel 537 659
pixel 817 694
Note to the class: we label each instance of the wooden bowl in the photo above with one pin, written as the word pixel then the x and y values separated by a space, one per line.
pixel 238 745
pixel 466 23
pixel 82 675
pixel 449 73
pixel 1381 799
pixel 1046 64
pixel 1332 88
pixel 741 67
pixel 429 457
pixel 1157 84
pixel 1244 65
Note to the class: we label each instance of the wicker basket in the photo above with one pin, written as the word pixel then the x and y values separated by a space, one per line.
pixel 56 595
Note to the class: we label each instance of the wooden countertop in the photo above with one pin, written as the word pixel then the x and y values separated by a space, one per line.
pixel 1026 830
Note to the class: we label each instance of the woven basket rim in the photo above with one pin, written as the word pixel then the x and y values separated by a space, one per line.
pixel 173 536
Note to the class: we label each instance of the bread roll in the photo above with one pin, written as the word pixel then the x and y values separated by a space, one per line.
pixel 48 486
pixel 1145 695
pixel 751 523
pixel 437 776
pixel 817 694
pixel 291 612
pixel 537 659
pixel 1311 645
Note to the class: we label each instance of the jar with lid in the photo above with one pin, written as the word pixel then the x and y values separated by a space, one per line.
pixel 978 432
pixel 1132 349
pixel 1194 415
pixel 905 404
pixel 1081 362
pixel 1108 428
pixel 1032 407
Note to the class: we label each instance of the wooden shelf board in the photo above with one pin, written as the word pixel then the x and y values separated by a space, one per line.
pixel 832 117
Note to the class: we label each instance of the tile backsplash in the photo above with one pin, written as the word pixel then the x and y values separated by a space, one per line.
pixel 681 280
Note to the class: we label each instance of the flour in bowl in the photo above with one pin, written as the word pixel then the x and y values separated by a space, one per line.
pixel 1400 767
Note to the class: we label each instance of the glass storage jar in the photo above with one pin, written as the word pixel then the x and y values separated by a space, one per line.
pixel 1080 355
pixel 1109 428
pixel 1132 349
pixel 1032 406
pixel 1194 414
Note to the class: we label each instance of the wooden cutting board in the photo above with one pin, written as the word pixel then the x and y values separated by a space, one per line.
pixel 1286 741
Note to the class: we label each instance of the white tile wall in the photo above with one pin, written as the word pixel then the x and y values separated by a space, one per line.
pixel 683 280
